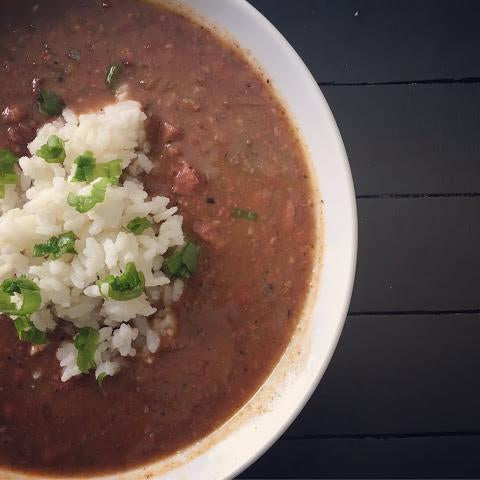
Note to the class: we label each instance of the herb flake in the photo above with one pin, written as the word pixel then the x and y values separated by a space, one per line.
pixel 101 378
pixel 138 225
pixel 30 292
pixel 86 342
pixel 55 247
pixel 27 332
pixel 49 104
pixel 8 175
pixel 53 151
pixel 127 286
pixel 84 203
pixel 88 170
pixel 244 214
pixel 114 73
pixel 183 262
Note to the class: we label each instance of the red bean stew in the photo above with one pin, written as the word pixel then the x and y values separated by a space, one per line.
pixel 227 155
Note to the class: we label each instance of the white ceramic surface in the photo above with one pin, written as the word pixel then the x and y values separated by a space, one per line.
pixel 245 437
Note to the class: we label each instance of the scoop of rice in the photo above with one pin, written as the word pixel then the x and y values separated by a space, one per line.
pixel 37 209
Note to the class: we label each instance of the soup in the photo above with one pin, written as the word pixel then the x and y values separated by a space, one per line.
pixel 217 143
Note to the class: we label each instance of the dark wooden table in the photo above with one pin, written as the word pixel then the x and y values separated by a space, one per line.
pixel 401 397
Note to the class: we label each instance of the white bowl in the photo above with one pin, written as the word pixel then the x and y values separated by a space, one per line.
pixel 239 442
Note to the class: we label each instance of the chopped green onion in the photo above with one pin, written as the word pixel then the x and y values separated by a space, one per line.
pixel 138 225
pixel 27 332
pixel 53 151
pixel 29 290
pixel 111 170
pixel 88 170
pixel 7 163
pixel 190 257
pixel 245 214
pixel 85 165
pixel 8 175
pixel 173 264
pixel 84 203
pixel 183 262
pixel 6 304
pixel 101 378
pixel 49 104
pixel 86 342
pixel 130 284
pixel 114 72
pixel 55 247
pixel 31 301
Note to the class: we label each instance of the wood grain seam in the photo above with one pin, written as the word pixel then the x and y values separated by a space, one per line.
pixel 432 81
pixel 417 195
pixel 383 436
pixel 414 312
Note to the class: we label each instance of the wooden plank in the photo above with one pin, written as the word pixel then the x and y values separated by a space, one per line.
pixel 438 457
pixel 398 375
pixel 418 254
pixel 348 41
pixel 410 139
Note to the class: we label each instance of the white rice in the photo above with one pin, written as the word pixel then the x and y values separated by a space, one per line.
pixel 37 209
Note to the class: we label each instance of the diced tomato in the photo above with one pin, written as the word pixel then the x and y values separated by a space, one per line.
pixel 170 133
pixel 207 231
pixel 185 180
pixel 172 151
pixel 13 114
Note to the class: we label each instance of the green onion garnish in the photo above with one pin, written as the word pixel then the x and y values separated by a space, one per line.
pixel 49 104
pixel 31 301
pixel 114 72
pixel 101 378
pixel 85 166
pixel 84 203
pixel 53 151
pixel 55 247
pixel 27 332
pixel 111 170
pixel 86 342
pixel 130 284
pixel 8 175
pixel 183 262
pixel 30 292
pixel 138 225
pixel 245 214
pixel 88 170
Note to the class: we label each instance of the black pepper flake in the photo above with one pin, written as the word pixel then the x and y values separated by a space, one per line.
pixel 210 200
